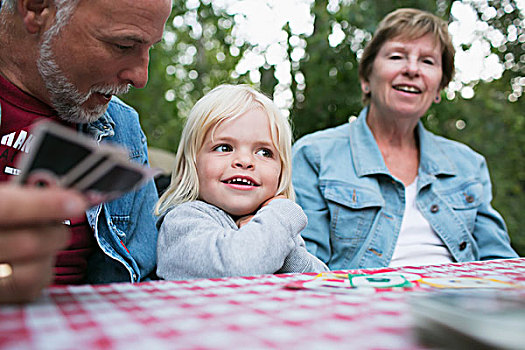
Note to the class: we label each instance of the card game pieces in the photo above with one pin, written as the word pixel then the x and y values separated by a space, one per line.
pixel 62 157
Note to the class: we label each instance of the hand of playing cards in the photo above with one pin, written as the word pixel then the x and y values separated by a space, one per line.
pixel 61 157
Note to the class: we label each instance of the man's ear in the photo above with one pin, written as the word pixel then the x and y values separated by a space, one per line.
pixel 365 86
pixel 36 14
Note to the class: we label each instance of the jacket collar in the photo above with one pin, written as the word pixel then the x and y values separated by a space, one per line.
pixel 368 160
pixel 103 127
pixel 366 155
pixel 433 159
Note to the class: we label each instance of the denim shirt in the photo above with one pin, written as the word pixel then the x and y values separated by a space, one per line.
pixel 124 228
pixel 355 206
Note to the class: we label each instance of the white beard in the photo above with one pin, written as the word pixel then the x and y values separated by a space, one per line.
pixel 66 99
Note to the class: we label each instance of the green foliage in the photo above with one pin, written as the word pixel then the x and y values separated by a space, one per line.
pixel 331 93
pixel 200 52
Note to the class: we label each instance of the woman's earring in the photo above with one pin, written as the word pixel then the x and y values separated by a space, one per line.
pixel 438 99
pixel 366 89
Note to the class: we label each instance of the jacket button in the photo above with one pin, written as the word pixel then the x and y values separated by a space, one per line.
pixel 469 199
pixel 434 208
pixel 462 245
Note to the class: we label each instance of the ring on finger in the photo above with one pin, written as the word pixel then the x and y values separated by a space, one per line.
pixel 6 270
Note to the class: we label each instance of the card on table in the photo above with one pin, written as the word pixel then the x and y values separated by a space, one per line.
pixel 470 319
pixel 352 283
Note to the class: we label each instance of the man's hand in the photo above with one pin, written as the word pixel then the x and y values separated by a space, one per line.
pixel 31 234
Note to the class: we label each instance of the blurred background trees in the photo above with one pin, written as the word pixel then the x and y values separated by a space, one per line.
pixel 312 75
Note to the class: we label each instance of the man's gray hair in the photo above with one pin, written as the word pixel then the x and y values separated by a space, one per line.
pixel 7 5
pixel 65 9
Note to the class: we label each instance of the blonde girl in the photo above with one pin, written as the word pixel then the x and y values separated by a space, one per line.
pixel 229 210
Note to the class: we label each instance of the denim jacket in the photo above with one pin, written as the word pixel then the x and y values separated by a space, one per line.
pixel 355 206
pixel 124 228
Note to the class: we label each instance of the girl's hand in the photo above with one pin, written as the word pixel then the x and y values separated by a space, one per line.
pixel 243 220
pixel 281 196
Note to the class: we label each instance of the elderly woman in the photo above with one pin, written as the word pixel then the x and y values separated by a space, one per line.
pixel 382 190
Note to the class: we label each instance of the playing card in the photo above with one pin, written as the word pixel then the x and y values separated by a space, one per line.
pixel 112 179
pixel 85 168
pixel 61 157
pixel 54 152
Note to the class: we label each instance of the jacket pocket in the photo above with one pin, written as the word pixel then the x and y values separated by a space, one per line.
pixel 121 224
pixel 465 200
pixel 352 213
pixel 137 156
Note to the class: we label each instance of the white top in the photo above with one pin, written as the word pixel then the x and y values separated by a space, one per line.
pixel 417 243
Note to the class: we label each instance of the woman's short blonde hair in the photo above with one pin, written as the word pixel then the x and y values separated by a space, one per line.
pixel 225 102
pixel 407 24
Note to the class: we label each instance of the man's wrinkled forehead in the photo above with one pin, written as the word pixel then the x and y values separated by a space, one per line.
pixel 141 21
pixel 145 9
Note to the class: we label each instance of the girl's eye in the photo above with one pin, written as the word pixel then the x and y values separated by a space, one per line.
pixel 265 153
pixel 395 57
pixel 428 61
pixel 223 148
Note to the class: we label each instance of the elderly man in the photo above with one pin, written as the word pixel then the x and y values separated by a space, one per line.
pixel 64 60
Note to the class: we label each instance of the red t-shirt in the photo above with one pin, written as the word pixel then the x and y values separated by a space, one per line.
pixel 18 112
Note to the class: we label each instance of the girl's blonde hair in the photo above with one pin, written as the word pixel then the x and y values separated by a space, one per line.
pixel 225 102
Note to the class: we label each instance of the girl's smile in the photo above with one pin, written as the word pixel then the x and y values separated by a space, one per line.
pixel 238 166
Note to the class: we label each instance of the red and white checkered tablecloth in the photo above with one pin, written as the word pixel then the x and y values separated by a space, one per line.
pixel 255 312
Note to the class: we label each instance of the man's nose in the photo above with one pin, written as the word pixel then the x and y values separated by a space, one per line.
pixel 136 73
